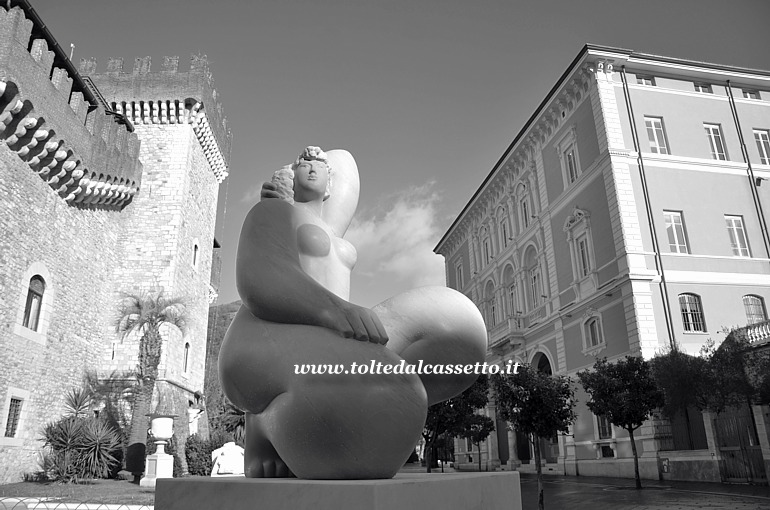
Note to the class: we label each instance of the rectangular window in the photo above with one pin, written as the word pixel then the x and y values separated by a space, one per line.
pixel 14 413
pixel 512 299
pixel 750 94
pixel 593 333
pixel 703 87
pixel 716 141
pixel 572 169
pixel 645 80
pixel 677 240
pixel 737 233
pixel 605 427
pixel 762 137
pixel 657 135
pixel 493 312
pixel 524 212
pixel 504 232
pixel 459 276
pixel 584 260
pixel 607 452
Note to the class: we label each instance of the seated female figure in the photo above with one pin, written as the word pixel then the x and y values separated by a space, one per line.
pixel 293 275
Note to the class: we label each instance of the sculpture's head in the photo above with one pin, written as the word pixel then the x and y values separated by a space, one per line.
pixel 311 172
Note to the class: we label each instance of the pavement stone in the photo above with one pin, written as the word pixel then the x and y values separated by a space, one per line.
pixel 593 493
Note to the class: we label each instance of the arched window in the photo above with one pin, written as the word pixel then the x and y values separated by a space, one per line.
pixel 34 302
pixel 536 292
pixel 504 232
pixel 186 357
pixel 195 256
pixel 755 309
pixel 490 298
pixel 524 207
pixel 692 313
pixel 525 211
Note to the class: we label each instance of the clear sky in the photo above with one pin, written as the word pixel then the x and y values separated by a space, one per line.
pixel 426 94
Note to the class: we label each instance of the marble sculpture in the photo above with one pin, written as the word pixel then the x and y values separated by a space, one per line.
pixel 293 274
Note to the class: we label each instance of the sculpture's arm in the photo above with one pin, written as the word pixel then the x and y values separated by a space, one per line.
pixel 340 207
pixel 274 287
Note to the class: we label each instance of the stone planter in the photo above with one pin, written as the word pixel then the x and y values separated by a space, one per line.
pixel 159 464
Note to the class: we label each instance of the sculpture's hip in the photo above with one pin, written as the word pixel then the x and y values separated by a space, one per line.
pixel 360 425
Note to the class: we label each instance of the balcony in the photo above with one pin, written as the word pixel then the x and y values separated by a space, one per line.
pixel 757 334
pixel 534 317
pixel 504 335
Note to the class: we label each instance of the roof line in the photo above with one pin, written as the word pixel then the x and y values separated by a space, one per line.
pixel 530 121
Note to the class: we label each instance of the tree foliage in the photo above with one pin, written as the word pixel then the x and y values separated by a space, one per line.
pixel 625 392
pixel 477 428
pixel 737 374
pixel 683 379
pixel 449 418
pixel 144 314
pixel 536 404
pixel 731 374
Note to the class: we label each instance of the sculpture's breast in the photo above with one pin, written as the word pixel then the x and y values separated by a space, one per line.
pixel 312 240
pixel 346 252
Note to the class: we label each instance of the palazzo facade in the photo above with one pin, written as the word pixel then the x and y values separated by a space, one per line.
pixel 628 216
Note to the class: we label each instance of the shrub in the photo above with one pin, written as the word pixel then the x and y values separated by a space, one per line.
pixel 199 451
pixel 79 448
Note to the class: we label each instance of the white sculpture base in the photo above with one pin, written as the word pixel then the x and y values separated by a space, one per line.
pixel 413 491
pixel 157 465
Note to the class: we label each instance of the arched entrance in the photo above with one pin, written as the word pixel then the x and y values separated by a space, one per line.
pixel 549 447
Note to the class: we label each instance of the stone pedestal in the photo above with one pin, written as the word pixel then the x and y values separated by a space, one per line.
pixel 408 491
pixel 158 465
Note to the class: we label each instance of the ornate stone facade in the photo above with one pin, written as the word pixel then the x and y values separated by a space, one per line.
pixel 574 246
pixel 108 184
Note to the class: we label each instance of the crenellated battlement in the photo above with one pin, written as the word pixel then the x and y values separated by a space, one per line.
pixel 54 122
pixel 168 97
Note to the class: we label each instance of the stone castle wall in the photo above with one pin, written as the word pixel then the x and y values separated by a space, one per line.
pixel 67 170
pixel 79 208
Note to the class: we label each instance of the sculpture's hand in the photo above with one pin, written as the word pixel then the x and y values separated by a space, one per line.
pixel 268 191
pixel 357 322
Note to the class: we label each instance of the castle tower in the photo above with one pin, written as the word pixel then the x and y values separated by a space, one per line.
pixel 167 240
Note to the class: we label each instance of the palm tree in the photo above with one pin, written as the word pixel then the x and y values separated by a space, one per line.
pixel 145 314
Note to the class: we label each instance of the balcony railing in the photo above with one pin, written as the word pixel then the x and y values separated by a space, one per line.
pixel 758 333
pixel 504 333
pixel 535 316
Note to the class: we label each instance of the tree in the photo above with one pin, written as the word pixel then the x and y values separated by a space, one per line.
pixel 449 417
pixel 145 314
pixel 536 404
pixel 682 378
pixel 625 392
pixel 477 428
pixel 738 374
